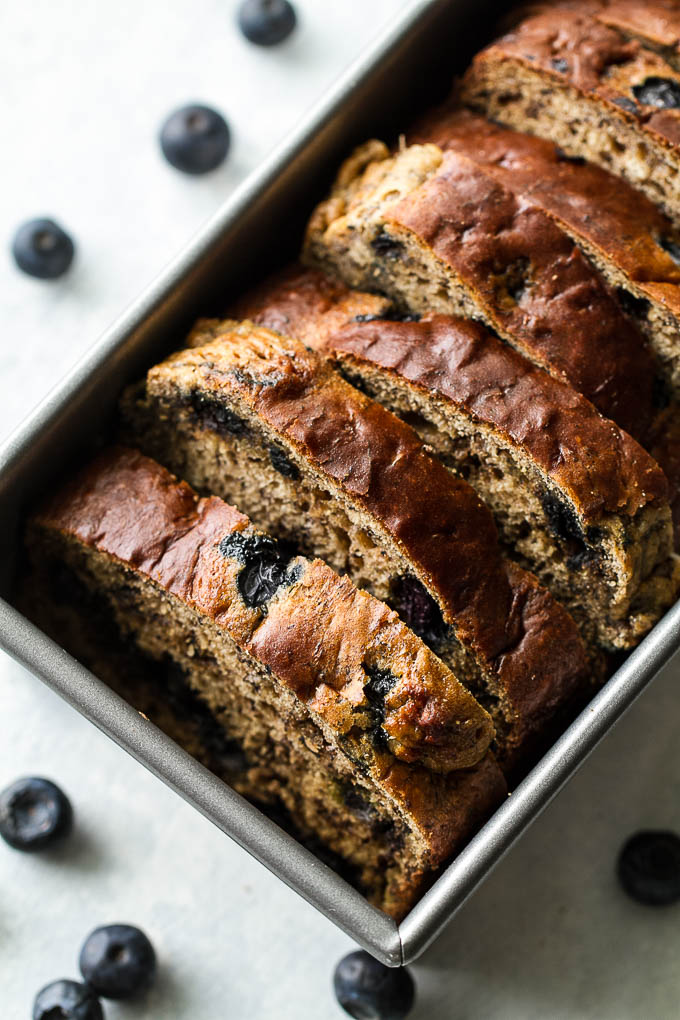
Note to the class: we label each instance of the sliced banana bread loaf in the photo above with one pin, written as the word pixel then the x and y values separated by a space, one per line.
pixel 267 424
pixel 440 234
pixel 339 711
pixel 598 92
pixel 630 241
pixel 576 499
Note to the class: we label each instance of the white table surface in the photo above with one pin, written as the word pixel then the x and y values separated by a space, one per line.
pixel 83 90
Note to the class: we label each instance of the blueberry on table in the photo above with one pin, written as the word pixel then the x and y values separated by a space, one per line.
pixel 368 990
pixel 649 868
pixel 195 139
pixel 34 814
pixel 67 1000
pixel 42 249
pixel 118 961
pixel 266 22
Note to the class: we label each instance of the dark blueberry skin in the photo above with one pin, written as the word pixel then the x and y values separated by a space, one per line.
pixel 42 249
pixel 672 247
pixel 649 868
pixel 419 610
pixel 34 814
pixel 118 961
pixel 626 104
pixel 266 22
pixel 67 1000
pixel 368 990
pixel 195 139
pixel 661 92
pixel 264 566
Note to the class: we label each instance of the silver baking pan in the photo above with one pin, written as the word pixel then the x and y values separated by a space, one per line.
pixel 257 228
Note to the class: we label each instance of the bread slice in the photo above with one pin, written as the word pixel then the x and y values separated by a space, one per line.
pixel 440 235
pixel 576 499
pixel 628 239
pixel 598 92
pixel 655 25
pixel 339 711
pixel 261 421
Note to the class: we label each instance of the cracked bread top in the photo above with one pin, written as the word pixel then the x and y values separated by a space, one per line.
pixel 523 276
pixel 601 467
pixel 324 639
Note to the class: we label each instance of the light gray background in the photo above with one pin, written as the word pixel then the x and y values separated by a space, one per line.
pixel 83 89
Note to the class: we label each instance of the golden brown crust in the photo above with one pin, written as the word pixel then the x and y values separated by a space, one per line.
pixel 601 467
pixel 593 205
pixel 592 459
pixel 447 809
pixel 565 319
pixel 598 206
pixel 545 634
pixel 304 299
pixel 499 256
pixel 656 25
pixel 320 635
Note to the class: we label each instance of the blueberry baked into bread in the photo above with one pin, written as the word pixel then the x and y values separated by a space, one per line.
pixel 341 713
pixel 266 424
pixel 575 498
pixel 440 234
pixel 600 80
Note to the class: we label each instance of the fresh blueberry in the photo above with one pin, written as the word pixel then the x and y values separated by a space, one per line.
pixel 118 961
pixel 649 868
pixel 67 1000
pixel 34 813
pixel 266 22
pixel 368 990
pixel 195 139
pixel 41 248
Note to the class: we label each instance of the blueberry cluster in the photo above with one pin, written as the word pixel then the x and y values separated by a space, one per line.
pixel 117 961
pixel 194 139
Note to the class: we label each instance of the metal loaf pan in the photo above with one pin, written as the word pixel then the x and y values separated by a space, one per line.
pixel 257 228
